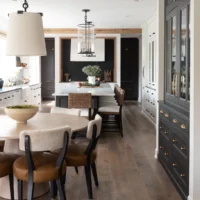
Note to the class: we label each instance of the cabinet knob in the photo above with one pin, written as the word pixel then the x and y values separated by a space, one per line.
pixel 182 175
pixel 174 164
pixel 166 115
pixel 161 127
pixel 161 111
pixel 175 121
pixel 183 148
pixel 166 132
pixel 183 126
pixel 166 154
pixel 161 147
pixel 174 141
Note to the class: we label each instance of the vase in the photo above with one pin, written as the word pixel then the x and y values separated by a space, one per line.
pixel 92 80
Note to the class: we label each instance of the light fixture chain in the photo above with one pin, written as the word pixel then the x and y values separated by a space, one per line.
pixel 25 5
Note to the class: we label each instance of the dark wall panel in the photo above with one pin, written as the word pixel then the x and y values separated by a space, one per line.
pixel 75 68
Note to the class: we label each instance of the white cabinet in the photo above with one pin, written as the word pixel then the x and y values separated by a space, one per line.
pixel 28 95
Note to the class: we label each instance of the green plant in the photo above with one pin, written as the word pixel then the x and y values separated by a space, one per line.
pixel 91 70
pixel 21 106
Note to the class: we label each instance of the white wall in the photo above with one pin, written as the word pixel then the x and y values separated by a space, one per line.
pixel 58 85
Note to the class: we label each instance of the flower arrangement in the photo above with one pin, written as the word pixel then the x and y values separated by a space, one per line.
pixel 91 70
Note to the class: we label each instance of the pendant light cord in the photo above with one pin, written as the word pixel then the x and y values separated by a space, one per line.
pixel 25 5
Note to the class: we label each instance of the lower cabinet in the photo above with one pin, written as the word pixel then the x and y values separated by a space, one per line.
pixel 28 95
pixel 174 146
pixel 149 103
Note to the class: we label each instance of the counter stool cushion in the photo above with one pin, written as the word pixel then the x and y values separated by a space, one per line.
pixel 109 109
pixel 45 168
pixel 76 155
pixel 6 163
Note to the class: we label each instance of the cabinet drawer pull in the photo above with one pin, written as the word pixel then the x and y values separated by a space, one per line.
pixel 175 121
pixel 182 175
pixel 174 141
pixel 183 126
pixel 166 115
pixel 174 164
pixel 166 154
pixel 161 147
pixel 183 148
pixel 161 111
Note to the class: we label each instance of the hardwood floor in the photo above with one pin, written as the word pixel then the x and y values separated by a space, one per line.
pixel 126 167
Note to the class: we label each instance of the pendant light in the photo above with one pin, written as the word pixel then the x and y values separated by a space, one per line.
pixel 86 37
pixel 25 34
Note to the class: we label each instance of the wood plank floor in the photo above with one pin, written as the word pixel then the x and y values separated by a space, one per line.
pixel 126 167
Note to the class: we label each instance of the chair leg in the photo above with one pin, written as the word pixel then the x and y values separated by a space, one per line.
pixel 53 190
pixel 11 186
pixel 20 189
pixel 61 188
pixel 88 180
pixel 76 169
pixel 31 186
pixel 94 172
pixel 64 178
pixel 73 135
pixel 121 126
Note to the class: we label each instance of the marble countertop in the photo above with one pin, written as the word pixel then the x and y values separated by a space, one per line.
pixel 103 90
pixel 16 87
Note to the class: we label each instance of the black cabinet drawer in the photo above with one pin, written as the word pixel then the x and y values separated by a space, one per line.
pixel 164 114
pixel 180 168
pixel 164 151
pixel 179 123
pixel 180 142
pixel 164 130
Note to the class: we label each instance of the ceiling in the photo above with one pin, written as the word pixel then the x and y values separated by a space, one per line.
pixel 68 13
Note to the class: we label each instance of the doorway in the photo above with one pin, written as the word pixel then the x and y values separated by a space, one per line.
pixel 130 67
pixel 48 70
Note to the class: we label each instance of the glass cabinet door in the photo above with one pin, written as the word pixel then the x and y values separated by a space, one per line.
pixel 174 74
pixel 183 65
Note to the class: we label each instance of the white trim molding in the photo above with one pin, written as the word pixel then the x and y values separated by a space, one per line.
pixel 194 162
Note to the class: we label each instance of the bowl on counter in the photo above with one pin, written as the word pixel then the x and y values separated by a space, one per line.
pixel 21 113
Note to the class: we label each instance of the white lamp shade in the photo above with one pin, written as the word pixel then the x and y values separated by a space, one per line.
pixel 25 35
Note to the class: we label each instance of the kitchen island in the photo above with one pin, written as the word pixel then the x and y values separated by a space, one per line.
pixel 103 90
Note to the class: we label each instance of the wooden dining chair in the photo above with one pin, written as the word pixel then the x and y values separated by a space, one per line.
pixel 82 101
pixel 115 110
pixel 85 155
pixel 67 111
pixel 6 165
pixel 37 166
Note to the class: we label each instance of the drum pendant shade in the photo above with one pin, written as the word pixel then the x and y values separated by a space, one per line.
pixel 25 35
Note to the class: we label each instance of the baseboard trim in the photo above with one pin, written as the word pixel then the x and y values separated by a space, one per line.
pixel 156 153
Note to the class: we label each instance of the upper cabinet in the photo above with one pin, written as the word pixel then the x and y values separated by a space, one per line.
pixel 152 60
pixel 177 55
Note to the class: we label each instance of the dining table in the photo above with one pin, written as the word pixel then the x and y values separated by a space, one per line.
pixel 10 131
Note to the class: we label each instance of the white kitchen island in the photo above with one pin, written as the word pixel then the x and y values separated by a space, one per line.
pixel 104 90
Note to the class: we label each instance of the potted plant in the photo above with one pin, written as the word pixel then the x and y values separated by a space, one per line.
pixel 21 113
pixel 92 71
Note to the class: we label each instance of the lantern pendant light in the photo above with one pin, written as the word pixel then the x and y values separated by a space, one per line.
pixel 86 37
pixel 25 34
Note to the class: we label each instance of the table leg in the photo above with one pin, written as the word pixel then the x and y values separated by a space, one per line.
pixel 12 146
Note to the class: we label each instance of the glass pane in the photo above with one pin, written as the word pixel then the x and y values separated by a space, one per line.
pixel 183 53
pixel 150 66
pixel 168 58
pixel 153 62
pixel 174 77
pixel 189 54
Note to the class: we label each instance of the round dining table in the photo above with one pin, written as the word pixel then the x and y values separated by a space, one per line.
pixel 10 131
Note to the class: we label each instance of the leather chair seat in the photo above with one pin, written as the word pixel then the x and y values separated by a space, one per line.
pixel 45 168
pixel 6 163
pixel 76 155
